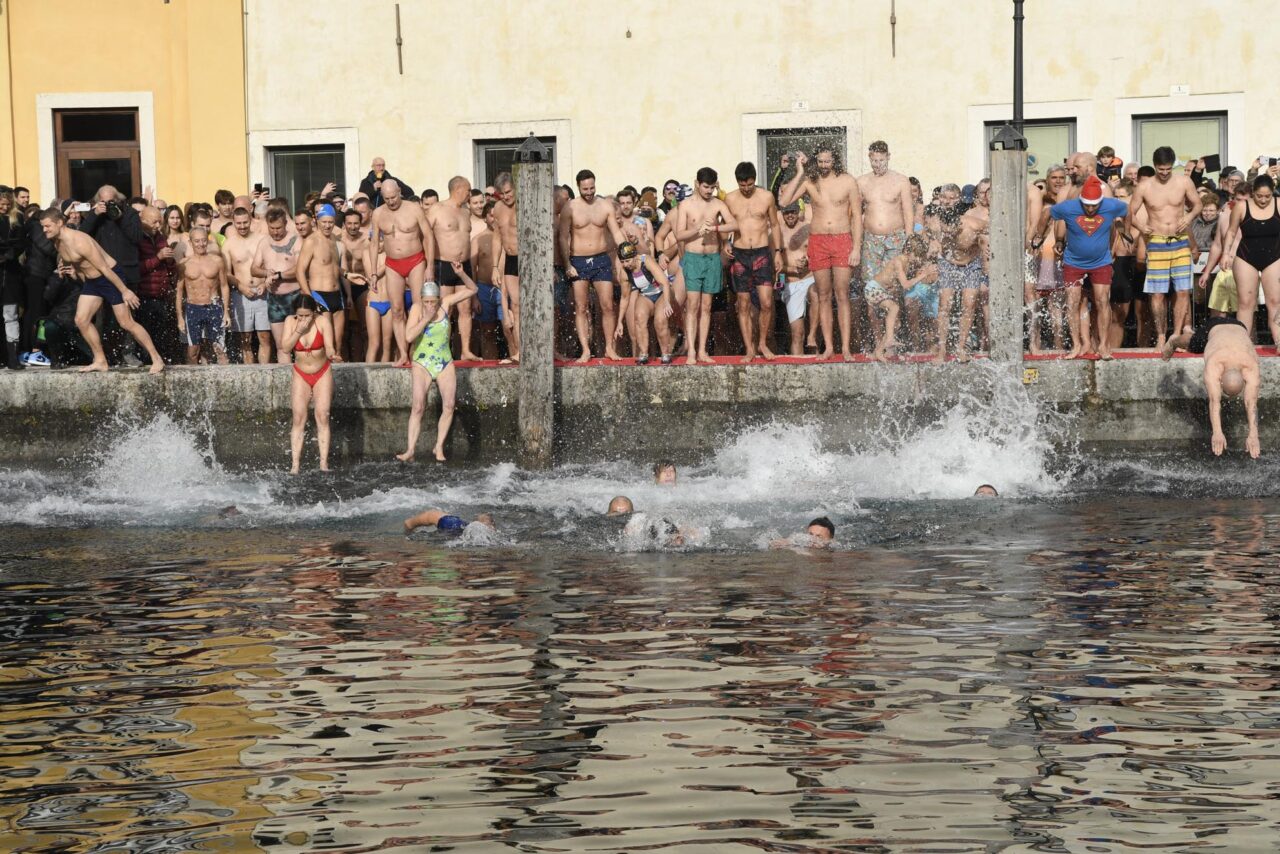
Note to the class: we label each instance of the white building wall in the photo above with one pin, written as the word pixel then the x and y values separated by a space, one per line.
pixel 649 90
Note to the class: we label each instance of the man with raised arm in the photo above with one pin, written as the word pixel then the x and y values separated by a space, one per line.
pixel 450 222
pixel 835 238
pixel 1230 367
pixel 1171 203
pixel 402 231
pixel 81 257
pixel 757 254
pixel 701 221
pixel 587 224
pixel 888 216
pixel 504 223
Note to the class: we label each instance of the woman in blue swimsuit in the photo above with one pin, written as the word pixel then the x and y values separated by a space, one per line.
pixel 431 358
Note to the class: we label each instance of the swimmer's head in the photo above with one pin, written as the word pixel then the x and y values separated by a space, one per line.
pixel 1232 382
pixel 986 491
pixel 620 506
pixel 664 473
pixel 487 519
pixel 821 529
pixel 430 290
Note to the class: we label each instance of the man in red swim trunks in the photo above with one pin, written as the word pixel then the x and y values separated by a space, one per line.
pixel 402 232
pixel 835 238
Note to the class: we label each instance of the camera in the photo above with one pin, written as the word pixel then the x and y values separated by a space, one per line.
pixel 114 209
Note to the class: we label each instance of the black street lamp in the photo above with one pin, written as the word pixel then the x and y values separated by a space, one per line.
pixel 1010 136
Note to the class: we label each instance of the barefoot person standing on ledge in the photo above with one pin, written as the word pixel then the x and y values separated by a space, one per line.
pixel 583 241
pixel 402 232
pixel 308 335
pixel 757 253
pixel 835 238
pixel 1230 367
pixel 83 258
pixel 700 223
pixel 432 358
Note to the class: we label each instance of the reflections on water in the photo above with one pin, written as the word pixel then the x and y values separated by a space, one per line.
pixel 1084 677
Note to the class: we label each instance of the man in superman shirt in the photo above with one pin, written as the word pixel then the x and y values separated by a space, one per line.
pixel 1085 222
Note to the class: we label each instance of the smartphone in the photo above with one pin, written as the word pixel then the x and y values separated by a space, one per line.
pixel 85 207
pixel 1271 161
pixel 257 188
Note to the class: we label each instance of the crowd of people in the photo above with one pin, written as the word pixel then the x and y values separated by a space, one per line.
pixel 815 260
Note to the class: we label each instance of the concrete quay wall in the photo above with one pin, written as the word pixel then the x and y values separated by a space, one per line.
pixel 608 411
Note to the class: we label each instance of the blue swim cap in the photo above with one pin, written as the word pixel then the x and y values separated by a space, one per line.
pixel 451 523
pixel 326 210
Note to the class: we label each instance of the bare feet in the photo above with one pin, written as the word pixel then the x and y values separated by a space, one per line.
pixel 96 366
pixel 705 359
pixel 439 452
pixel 826 355
pixel 692 360
pixel 1166 352
pixel 157 366
pixel 939 357
pixel 1074 354
pixel 468 357
pixel 1035 350
pixel 293 470
pixel 846 355
pixel 611 356
pixel 324 467
pixel 748 359
pixel 963 357
pixel 878 355
pixel 768 354
pixel 403 363
pixel 406 457
pixel 584 358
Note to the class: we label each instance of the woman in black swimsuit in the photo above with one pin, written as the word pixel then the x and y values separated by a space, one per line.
pixel 1258 256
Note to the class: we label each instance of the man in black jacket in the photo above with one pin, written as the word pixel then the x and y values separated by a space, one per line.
pixel 118 230
pixel 37 269
pixel 372 183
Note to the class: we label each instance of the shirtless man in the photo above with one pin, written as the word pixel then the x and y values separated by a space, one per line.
pixel 1171 203
pixel 320 273
pixel 354 245
pixel 888 216
pixel 835 239
pixel 276 263
pixel 1082 166
pixel 450 222
pixel 403 232
pixel 587 225
pixel 249 293
pixel 475 204
pixel 1230 366
pixel 201 278
pixel 794 232
pixel 225 203
pixel 504 224
pixel 959 268
pixel 634 227
pixel 757 254
pixel 700 222
pixel 488 306
pixel 81 257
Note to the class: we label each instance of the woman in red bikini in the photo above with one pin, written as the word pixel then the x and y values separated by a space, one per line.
pixel 309 336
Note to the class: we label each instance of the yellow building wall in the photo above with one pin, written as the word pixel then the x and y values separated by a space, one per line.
pixel 187 53
pixel 658 88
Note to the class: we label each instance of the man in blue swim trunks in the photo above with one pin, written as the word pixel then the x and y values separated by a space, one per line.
pixel 587 225
pixel 81 257
pixel 446 522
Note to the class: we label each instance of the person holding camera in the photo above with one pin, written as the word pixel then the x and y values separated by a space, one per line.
pixel 115 226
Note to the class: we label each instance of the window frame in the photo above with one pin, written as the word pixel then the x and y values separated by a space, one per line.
pixel 481 145
pixel 1137 120
pixel 991 126
pixel 270 153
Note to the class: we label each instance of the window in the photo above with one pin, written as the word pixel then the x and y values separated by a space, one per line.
pixel 296 170
pixel 1188 134
pixel 495 156
pixel 95 148
pixel 1049 142
pixel 775 143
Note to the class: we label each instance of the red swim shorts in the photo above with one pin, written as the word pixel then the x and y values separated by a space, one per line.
pixel 1073 277
pixel 829 250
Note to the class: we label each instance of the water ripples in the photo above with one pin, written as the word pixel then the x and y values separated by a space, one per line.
pixel 1097 677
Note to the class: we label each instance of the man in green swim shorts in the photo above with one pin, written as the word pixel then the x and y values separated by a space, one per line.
pixel 702 221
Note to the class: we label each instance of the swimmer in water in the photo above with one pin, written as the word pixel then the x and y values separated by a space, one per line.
pixel 986 491
pixel 446 522
pixel 818 534
pixel 620 506
pixel 664 473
